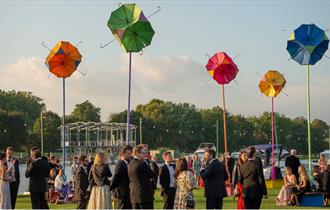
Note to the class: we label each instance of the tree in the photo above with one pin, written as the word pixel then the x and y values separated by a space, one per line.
pixel 23 102
pixel 85 112
pixel 51 132
pixel 13 131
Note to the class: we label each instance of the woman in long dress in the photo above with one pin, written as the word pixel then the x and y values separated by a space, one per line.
pixel 99 175
pixel 5 202
pixel 236 177
pixel 185 183
pixel 290 181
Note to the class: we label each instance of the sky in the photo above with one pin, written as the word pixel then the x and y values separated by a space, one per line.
pixel 172 68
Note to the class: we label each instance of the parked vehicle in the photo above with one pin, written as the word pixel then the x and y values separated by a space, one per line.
pixel 202 147
pixel 327 155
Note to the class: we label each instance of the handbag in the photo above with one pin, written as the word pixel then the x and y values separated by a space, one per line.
pixel 190 204
pixel 236 192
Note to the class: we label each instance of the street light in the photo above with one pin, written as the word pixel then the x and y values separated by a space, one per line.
pixel 217 132
pixel 140 130
pixel 42 132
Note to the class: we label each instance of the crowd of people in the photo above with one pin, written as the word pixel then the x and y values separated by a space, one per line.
pixel 297 182
pixel 132 184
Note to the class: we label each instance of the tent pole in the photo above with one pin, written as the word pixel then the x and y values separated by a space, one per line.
pixel 63 131
pixel 309 122
pixel 224 118
pixel 273 161
pixel 128 127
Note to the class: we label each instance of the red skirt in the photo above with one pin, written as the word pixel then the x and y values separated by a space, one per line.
pixel 240 201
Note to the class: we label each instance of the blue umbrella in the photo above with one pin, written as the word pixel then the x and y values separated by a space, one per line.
pixel 307 45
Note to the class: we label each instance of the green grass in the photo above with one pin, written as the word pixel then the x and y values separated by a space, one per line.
pixel 23 202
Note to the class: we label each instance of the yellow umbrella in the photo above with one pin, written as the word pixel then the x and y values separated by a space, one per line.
pixel 271 85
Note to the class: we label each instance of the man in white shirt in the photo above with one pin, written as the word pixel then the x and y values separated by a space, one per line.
pixel 167 180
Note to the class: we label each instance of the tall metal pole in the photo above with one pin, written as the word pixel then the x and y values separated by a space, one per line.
pixel 273 159
pixel 128 127
pixel 309 123
pixel 224 118
pixel 140 130
pixel 63 123
pixel 41 134
pixel 217 135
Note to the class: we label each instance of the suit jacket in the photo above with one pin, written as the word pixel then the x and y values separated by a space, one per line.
pixel 16 167
pixel 165 179
pixel 154 167
pixel 214 176
pixel 294 163
pixel 98 175
pixel 89 166
pixel 120 181
pixel 253 184
pixel 37 171
pixel 141 189
pixel 81 184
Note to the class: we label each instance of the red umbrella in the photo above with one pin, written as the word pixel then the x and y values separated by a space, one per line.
pixel 223 70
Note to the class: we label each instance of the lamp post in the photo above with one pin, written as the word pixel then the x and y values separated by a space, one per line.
pixel 140 130
pixel 42 133
pixel 217 134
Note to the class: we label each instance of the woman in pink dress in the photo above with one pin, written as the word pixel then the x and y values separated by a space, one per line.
pixel 290 181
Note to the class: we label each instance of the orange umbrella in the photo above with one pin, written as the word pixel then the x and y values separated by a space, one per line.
pixel 62 61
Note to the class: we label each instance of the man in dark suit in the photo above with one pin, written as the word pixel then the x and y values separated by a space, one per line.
pixel 120 180
pixel 37 170
pixel 139 173
pixel 13 163
pixel 214 175
pixel 90 163
pixel 259 164
pixel 254 186
pixel 167 180
pixel 82 183
pixel 293 162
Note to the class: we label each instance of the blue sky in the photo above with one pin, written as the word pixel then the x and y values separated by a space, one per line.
pixel 172 68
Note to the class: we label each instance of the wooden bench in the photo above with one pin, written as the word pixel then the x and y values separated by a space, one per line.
pixel 318 199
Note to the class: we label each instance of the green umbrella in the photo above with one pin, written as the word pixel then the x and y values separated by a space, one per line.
pixel 137 36
pixel 133 32
pixel 131 28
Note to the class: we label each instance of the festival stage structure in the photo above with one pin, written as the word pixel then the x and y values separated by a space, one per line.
pixel 91 137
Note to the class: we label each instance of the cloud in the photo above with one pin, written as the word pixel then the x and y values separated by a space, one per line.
pixel 179 79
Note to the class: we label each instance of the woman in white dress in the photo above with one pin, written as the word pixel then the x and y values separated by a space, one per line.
pixel 5 202
pixel 99 175
pixel 290 181
pixel 60 181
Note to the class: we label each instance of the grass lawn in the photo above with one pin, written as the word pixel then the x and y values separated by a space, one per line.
pixel 23 202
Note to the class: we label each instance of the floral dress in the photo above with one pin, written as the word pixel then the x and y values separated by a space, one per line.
pixel 185 184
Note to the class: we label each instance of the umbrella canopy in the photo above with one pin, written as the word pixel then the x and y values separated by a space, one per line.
pixel 131 28
pixel 307 44
pixel 272 83
pixel 63 59
pixel 222 68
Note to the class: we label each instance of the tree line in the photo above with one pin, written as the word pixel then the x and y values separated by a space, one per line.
pixel 180 126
